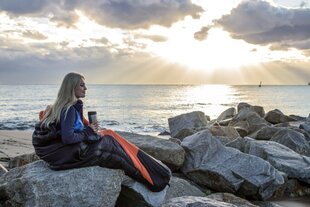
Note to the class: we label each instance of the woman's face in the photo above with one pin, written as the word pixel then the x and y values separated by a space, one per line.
pixel 80 89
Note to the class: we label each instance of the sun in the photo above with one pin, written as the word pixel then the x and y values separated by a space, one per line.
pixel 218 50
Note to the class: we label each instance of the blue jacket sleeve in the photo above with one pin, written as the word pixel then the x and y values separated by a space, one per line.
pixel 68 135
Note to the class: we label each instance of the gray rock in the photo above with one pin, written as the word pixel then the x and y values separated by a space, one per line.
pixel 266 133
pixel 281 157
pixel 135 194
pixel 170 153
pixel 242 105
pixel 267 204
pixel 305 126
pixel 249 120
pixel 208 162
pixel 230 198
pixel 191 201
pixel 224 134
pixel 180 187
pixel 2 170
pixel 293 140
pixel 276 116
pixel 257 109
pixel 190 121
pixel 228 113
pixel 21 160
pixel 37 185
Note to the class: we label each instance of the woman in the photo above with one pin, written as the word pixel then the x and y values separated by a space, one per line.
pixel 64 139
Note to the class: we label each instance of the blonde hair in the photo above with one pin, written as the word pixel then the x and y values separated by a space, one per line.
pixel 65 98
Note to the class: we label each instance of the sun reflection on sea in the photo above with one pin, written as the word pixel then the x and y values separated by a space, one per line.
pixel 211 99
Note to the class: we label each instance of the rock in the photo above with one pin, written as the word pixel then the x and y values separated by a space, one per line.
pixel 37 185
pixel 305 126
pixel 257 109
pixel 224 134
pixel 266 204
pixel 2 170
pixel 294 188
pixel 276 116
pixel 21 160
pixel 281 157
pixel 249 120
pixel 208 162
pixel 190 121
pixel 266 133
pixel 192 201
pixel 297 118
pixel 228 113
pixel 170 153
pixel 225 122
pixel 230 198
pixel 293 140
pixel 181 187
pixel 242 131
pixel 242 105
pixel 135 194
pixel 164 133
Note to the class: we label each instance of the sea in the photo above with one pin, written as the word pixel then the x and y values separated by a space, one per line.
pixel 145 109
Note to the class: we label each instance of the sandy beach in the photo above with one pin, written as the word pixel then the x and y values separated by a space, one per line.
pixel 14 143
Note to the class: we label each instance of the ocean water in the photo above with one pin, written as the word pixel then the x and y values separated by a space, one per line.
pixel 146 108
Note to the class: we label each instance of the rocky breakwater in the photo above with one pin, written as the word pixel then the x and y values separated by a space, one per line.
pixel 243 154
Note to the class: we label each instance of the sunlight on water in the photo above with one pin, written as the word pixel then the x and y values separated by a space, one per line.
pixel 213 98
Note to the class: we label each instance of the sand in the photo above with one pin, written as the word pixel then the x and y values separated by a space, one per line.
pixel 14 143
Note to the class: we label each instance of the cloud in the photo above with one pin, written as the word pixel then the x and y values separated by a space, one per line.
pixel 21 7
pixel 259 22
pixel 154 38
pixel 128 14
pixel 34 35
pixel 202 34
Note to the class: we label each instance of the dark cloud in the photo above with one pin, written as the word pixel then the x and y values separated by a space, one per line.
pixel 259 22
pixel 139 14
pixel 21 7
pixel 128 14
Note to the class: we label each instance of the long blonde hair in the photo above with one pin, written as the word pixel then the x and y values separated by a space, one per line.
pixel 65 98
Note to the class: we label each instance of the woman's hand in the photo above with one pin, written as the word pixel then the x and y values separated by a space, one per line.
pixel 94 126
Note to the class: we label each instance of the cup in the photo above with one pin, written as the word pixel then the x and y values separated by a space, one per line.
pixel 92 117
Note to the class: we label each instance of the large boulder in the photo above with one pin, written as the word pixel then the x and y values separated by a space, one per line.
pixel 257 109
pixel 192 201
pixel 170 153
pixel 276 116
pixel 228 113
pixel 136 194
pixel 208 162
pixel 224 133
pixel 181 187
pixel 278 155
pixel 293 140
pixel 189 122
pixel 266 133
pixel 249 120
pixel 37 185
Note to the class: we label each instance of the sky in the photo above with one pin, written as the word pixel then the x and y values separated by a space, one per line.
pixel 155 41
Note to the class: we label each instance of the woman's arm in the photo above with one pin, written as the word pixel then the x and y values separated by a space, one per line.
pixel 68 135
